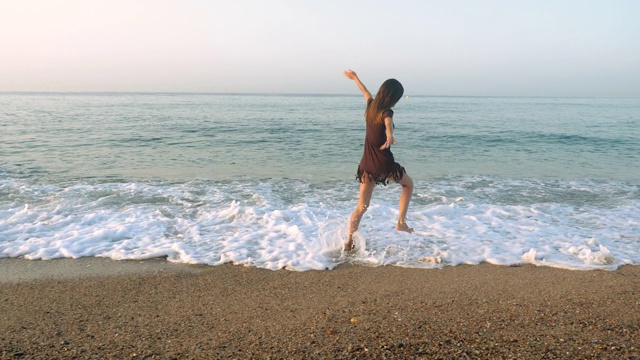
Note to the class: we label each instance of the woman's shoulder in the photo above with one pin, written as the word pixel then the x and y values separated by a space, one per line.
pixel 387 113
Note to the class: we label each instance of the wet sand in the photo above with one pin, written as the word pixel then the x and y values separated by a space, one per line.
pixel 155 310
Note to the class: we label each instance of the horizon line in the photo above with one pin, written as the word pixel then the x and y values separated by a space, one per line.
pixel 298 94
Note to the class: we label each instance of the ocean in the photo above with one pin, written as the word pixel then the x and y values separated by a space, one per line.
pixel 269 180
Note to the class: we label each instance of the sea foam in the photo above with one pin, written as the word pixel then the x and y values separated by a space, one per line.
pixel 300 225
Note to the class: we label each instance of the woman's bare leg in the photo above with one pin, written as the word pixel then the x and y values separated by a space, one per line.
pixel 366 190
pixel 407 190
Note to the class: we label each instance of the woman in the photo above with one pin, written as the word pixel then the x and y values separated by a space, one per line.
pixel 378 165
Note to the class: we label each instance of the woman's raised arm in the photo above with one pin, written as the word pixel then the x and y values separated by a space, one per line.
pixel 352 75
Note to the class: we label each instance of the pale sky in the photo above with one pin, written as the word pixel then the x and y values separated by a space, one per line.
pixel 464 47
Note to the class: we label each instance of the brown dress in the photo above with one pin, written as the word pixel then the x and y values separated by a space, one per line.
pixel 378 165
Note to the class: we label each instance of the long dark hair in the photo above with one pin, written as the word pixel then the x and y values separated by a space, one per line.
pixel 389 94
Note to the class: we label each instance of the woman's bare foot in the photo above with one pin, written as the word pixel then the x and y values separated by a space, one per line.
pixel 404 227
pixel 348 246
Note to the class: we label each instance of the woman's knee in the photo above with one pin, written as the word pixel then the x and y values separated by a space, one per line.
pixel 406 181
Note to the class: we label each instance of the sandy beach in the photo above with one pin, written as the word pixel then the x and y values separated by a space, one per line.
pixel 99 309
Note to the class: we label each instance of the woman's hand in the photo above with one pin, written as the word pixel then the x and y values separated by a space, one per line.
pixel 390 141
pixel 388 130
pixel 350 74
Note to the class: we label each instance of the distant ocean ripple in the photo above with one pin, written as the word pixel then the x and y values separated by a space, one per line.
pixel 267 181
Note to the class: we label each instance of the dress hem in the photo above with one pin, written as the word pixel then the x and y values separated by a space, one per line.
pixel 381 178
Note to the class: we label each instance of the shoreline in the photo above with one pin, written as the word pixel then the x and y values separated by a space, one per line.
pixel 153 309
pixel 20 270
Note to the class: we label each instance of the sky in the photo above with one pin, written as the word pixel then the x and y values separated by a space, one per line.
pixel 457 47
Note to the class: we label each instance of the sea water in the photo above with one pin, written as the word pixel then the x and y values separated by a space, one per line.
pixel 269 180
